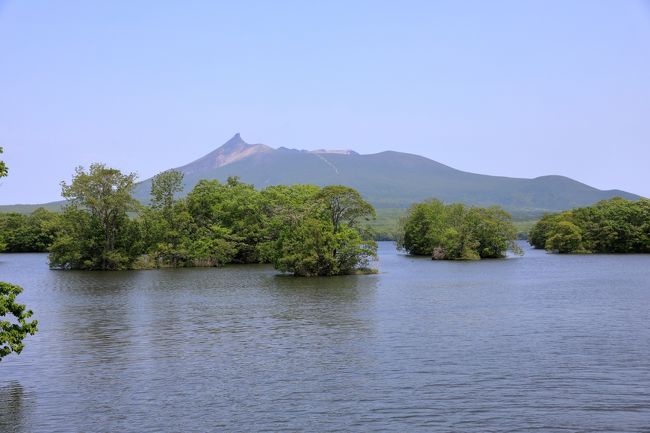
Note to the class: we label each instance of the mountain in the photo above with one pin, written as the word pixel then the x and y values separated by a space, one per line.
pixel 386 179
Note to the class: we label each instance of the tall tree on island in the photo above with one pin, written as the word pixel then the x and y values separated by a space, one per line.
pixel 164 187
pixel 14 324
pixel 96 232
pixel 322 236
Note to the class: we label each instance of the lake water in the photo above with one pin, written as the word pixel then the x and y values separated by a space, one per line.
pixel 538 343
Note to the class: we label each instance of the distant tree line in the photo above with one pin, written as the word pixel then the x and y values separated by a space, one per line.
pixel 457 232
pixel 21 233
pixel 300 229
pixel 610 226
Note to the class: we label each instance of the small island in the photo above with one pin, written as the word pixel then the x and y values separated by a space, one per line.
pixel 457 232
pixel 610 226
pixel 304 230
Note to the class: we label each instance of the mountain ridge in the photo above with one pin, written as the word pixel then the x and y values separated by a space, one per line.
pixel 390 178
pixel 387 179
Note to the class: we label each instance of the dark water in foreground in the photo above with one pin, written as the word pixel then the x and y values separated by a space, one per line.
pixel 540 343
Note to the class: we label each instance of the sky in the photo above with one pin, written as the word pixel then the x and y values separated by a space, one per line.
pixel 512 88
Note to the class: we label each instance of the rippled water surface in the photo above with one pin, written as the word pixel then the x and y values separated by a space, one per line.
pixel 539 343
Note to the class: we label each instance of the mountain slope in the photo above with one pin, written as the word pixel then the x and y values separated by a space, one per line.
pixel 387 179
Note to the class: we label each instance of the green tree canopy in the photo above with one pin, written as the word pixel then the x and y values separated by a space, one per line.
pixel 566 238
pixel 609 226
pixel 164 186
pixel 235 206
pixel 344 205
pixel 96 230
pixel 28 233
pixel 302 229
pixel 540 231
pixel 457 232
pixel 318 232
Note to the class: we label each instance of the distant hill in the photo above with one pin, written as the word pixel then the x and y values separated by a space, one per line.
pixel 386 179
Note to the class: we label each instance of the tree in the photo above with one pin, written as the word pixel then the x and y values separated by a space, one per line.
pixel 616 225
pixel 303 229
pixel 421 227
pixel 540 231
pixel 456 232
pixel 566 238
pixel 14 326
pixel 43 225
pixel 28 233
pixel 234 205
pixel 459 239
pixel 164 186
pixel 306 249
pixel 165 222
pixel 97 233
pixel 495 232
pixel 344 205
pixel 354 250
pixel 319 234
pixel 281 206
pixel 13 236
pixel 312 248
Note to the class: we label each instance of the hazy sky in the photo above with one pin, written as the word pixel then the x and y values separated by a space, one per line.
pixel 515 88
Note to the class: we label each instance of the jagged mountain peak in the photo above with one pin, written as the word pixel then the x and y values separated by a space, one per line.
pixel 387 179
pixel 235 141
pixel 232 150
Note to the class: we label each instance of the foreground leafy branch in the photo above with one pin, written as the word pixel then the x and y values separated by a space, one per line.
pixel 14 326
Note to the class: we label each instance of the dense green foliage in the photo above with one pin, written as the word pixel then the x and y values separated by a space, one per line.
pixel 385 227
pixel 320 233
pixel 163 188
pixel 21 233
pixel 610 226
pixel 216 224
pixel 457 232
pixel 301 229
pixel 96 232
pixel 14 325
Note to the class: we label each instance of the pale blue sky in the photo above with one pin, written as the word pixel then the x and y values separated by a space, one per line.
pixel 515 88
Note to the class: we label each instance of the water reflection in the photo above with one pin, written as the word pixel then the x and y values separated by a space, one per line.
pixel 94 319
pixel 543 342
pixel 342 288
pixel 336 303
pixel 13 407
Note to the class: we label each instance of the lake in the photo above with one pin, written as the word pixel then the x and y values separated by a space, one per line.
pixel 540 343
